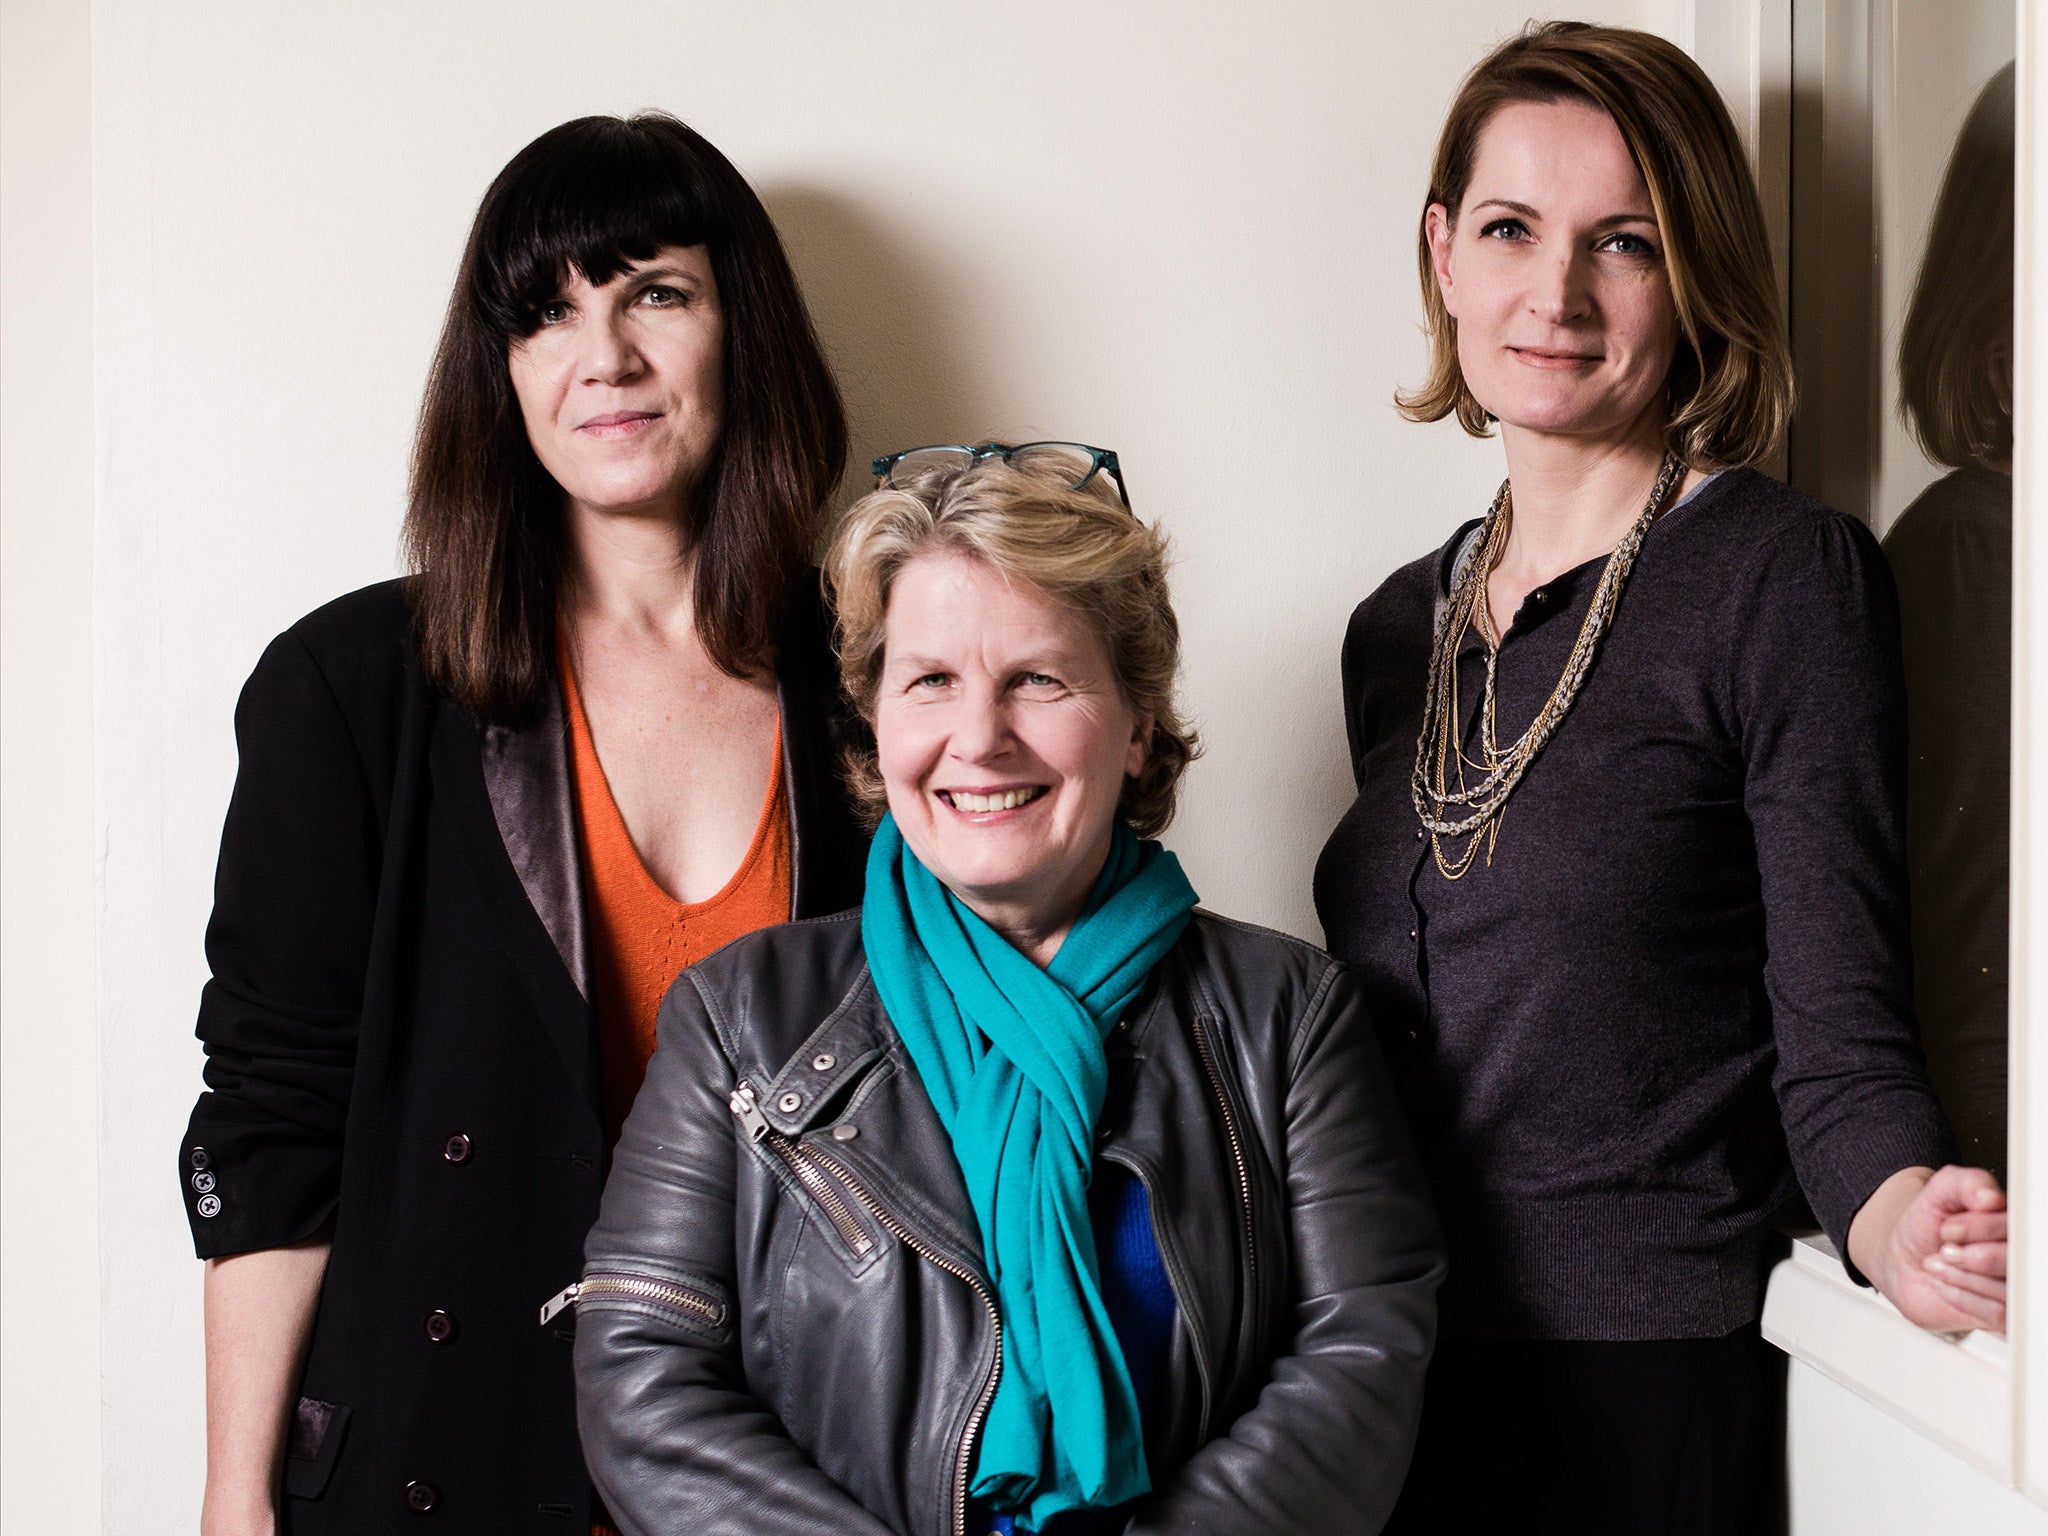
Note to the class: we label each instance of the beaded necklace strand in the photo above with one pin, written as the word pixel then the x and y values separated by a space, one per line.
pixel 1439 788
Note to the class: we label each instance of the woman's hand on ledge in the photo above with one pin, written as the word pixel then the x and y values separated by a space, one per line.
pixel 1934 1244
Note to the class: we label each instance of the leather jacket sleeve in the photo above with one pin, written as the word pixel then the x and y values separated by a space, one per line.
pixel 1326 1445
pixel 674 1440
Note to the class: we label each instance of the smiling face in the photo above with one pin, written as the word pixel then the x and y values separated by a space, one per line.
pixel 621 385
pixel 1003 740
pixel 1554 271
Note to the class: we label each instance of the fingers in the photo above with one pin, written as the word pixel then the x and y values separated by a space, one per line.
pixel 1971 1309
pixel 1959 1277
pixel 1964 1189
pixel 1974 1227
pixel 1972 1258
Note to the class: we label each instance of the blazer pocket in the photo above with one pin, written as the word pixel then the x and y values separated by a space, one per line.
pixel 317 1432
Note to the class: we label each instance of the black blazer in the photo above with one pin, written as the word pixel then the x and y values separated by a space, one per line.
pixel 400 1050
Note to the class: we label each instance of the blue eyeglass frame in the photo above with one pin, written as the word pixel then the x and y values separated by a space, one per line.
pixel 1099 460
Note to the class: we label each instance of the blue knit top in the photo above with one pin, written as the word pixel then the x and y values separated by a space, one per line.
pixel 1141 1308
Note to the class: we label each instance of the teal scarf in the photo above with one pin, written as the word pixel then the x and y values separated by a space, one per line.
pixel 1012 1058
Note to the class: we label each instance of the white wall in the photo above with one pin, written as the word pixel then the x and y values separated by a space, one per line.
pixel 1182 230
pixel 49 1232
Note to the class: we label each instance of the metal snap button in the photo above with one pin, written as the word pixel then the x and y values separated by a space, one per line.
pixel 456 1150
pixel 845 1132
pixel 824 1061
pixel 439 1327
pixel 208 1206
pixel 790 1103
pixel 421 1497
pixel 203 1182
pixel 199 1158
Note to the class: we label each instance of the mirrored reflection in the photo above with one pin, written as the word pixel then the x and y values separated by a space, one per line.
pixel 1951 552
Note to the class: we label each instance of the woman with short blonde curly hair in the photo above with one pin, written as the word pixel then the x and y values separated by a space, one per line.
pixel 1049 1203
pixel 1025 519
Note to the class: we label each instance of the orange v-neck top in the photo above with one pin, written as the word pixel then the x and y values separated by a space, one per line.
pixel 641 937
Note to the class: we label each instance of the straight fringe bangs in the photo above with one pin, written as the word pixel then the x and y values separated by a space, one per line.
pixel 484 534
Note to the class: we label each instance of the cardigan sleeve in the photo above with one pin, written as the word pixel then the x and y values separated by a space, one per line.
pixel 1818 697
pixel 287 945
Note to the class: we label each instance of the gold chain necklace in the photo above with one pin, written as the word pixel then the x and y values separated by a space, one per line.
pixel 1439 788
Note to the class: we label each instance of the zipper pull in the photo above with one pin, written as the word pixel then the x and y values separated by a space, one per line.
pixel 742 1104
pixel 560 1302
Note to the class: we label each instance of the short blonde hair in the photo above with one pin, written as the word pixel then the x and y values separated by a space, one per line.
pixel 1026 522
pixel 1731 389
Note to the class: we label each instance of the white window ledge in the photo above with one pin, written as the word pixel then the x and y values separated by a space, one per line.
pixel 1956 1392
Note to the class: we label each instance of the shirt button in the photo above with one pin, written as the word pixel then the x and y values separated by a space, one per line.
pixel 845 1132
pixel 456 1150
pixel 203 1182
pixel 208 1206
pixel 1411 935
pixel 790 1103
pixel 200 1160
pixel 824 1061
pixel 421 1497
pixel 439 1327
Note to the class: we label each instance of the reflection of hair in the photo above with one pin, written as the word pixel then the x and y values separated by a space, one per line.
pixel 1955 352
pixel 1731 382
pixel 1082 547
pixel 484 527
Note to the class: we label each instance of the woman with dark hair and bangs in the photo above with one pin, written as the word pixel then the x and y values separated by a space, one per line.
pixel 484 816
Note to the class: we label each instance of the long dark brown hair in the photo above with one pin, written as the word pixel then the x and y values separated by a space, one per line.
pixel 484 526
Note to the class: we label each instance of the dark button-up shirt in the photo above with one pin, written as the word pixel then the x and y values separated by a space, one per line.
pixel 1681 976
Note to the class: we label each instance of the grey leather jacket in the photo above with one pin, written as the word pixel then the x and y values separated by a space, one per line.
pixel 785 1326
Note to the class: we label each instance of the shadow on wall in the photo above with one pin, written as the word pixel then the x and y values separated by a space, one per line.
pixel 895 325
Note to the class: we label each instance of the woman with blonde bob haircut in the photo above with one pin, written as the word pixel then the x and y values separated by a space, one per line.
pixel 1624 880
pixel 1040 1200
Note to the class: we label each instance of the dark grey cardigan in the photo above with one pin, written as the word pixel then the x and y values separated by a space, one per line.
pixel 1683 977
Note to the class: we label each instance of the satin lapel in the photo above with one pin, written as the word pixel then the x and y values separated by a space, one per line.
pixel 828 851
pixel 526 773
pixel 530 945
pixel 793 800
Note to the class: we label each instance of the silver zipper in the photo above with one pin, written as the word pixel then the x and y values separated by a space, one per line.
pixel 902 1234
pixel 805 1164
pixel 744 1106
pixel 636 1288
pixel 1244 1179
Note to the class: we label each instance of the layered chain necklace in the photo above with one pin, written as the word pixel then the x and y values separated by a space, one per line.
pixel 1448 805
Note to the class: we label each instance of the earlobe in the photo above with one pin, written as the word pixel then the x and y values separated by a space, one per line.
pixel 1140 751
pixel 1436 224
